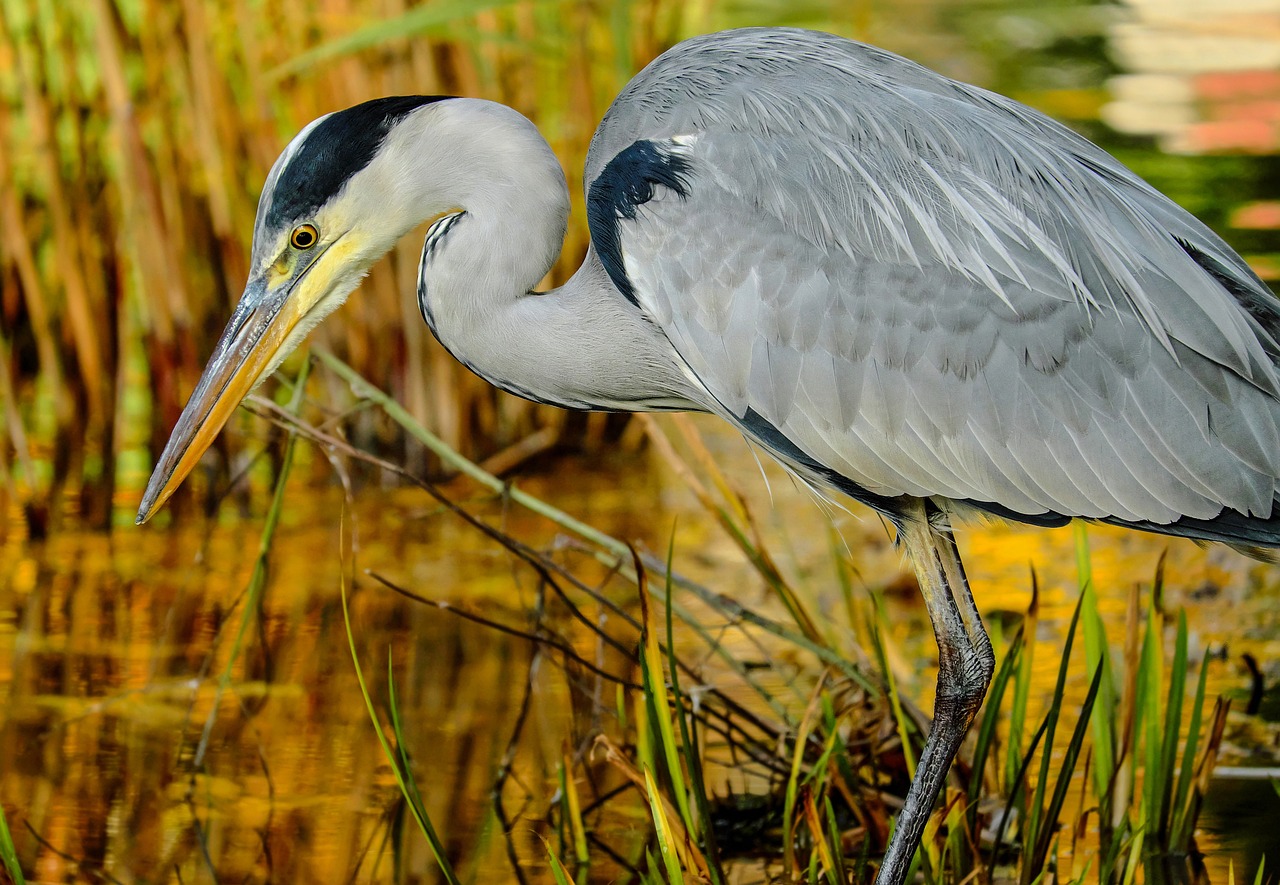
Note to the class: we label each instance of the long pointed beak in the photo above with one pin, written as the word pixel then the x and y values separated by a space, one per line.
pixel 253 338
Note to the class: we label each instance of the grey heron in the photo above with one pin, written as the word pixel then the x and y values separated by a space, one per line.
pixel 908 290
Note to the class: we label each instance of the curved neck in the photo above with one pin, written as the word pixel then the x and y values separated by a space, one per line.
pixel 486 160
pixel 504 204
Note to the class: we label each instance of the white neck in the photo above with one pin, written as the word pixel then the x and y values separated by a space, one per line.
pixel 580 346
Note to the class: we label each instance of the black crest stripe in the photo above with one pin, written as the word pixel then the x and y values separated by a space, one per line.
pixel 338 147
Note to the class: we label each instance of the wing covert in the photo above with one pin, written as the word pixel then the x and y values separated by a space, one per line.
pixel 947 332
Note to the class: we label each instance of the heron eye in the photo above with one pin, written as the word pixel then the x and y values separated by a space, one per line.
pixel 304 236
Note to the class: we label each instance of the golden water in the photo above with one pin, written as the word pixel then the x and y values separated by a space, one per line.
pixel 112 650
pixel 122 760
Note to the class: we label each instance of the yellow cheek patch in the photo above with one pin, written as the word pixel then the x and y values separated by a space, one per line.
pixel 317 282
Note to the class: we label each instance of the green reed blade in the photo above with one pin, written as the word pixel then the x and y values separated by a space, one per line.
pixel 258 580
pixel 689 741
pixel 1052 813
pixel 662 827
pixel 1022 683
pixel 399 766
pixel 8 852
pixel 1017 792
pixel 791 794
pixel 1035 812
pixel 1151 677
pixel 839 874
pixel 573 814
pixel 558 872
pixel 1172 729
pixel 1098 656
pixel 901 723
pixel 413 796
pixel 660 712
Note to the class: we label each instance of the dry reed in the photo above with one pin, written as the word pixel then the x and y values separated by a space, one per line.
pixel 134 135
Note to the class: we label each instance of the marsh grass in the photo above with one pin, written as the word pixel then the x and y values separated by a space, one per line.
pixel 685 764
pixel 134 136
pixel 8 853
pixel 397 756
pixel 830 756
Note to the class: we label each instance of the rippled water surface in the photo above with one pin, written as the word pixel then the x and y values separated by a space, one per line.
pixel 130 750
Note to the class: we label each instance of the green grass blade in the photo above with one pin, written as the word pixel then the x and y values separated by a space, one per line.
pixel 8 852
pixel 1017 792
pixel 689 742
pixel 558 872
pixel 1050 820
pixel 1035 811
pixel 1151 678
pixel 839 873
pixel 901 723
pixel 1172 729
pixel 987 729
pixel 791 793
pixel 666 843
pixel 258 579
pixel 403 777
pixel 414 797
pixel 660 712
pixel 1097 654
pixel 1022 684
pixel 573 813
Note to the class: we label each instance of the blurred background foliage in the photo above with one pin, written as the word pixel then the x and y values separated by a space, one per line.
pixel 134 137
pixel 135 134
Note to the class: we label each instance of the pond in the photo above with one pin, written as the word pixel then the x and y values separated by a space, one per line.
pixel 144 738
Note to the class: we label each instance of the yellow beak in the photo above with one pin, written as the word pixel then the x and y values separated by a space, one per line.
pixel 253 338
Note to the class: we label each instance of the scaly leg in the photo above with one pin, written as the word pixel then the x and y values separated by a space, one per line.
pixel 965 664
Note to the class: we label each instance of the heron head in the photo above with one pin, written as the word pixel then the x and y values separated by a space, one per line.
pixel 335 201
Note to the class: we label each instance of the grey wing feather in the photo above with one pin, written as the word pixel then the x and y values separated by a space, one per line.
pixel 934 291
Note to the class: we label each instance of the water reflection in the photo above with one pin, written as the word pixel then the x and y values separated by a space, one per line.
pixel 111 649
pixel 116 648
pixel 115 652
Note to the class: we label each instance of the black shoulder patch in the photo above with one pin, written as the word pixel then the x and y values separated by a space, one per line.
pixel 627 182
pixel 339 147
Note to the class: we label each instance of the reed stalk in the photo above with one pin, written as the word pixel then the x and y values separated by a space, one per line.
pixel 134 135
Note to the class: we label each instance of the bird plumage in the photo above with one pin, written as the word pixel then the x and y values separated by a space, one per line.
pixel 914 291
pixel 934 291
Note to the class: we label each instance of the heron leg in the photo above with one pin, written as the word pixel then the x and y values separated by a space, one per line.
pixel 965 665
